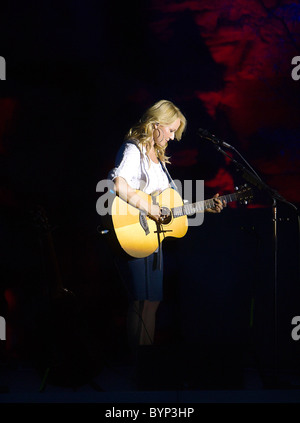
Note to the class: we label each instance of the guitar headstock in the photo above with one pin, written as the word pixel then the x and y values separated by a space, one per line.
pixel 244 194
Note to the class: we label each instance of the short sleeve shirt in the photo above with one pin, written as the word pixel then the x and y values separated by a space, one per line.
pixel 138 170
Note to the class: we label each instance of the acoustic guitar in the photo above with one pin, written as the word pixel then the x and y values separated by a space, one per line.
pixel 139 236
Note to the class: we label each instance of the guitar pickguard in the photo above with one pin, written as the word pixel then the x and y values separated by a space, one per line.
pixel 144 223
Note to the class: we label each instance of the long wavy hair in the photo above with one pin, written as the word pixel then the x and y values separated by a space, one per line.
pixel 164 113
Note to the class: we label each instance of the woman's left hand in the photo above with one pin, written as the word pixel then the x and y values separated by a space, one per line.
pixel 219 205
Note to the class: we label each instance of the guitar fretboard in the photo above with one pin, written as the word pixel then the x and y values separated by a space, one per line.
pixel 200 206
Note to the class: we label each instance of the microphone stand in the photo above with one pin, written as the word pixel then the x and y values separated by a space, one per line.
pixel 254 179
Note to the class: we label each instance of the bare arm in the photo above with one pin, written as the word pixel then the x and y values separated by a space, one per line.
pixel 130 195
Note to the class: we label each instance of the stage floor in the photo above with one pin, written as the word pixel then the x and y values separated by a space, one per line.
pixel 120 383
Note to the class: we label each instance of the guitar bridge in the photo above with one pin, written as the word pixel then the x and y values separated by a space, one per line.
pixel 162 231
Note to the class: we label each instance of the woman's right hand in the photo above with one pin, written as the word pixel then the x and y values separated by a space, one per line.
pixel 155 212
pixel 131 196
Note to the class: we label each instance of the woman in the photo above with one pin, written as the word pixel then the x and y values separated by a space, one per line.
pixel 141 164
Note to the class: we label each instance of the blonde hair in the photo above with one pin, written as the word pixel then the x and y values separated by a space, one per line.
pixel 164 113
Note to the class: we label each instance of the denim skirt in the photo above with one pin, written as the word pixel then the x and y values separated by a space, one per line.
pixel 142 277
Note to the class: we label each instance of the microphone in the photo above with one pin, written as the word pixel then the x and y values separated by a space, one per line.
pixel 208 136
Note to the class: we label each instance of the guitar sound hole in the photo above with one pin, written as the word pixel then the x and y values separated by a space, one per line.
pixel 166 215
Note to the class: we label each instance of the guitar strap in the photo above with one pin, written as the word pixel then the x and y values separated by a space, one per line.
pixel 158 252
pixel 172 185
pixel 171 182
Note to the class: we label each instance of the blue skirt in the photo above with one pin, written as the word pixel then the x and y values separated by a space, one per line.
pixel 143 277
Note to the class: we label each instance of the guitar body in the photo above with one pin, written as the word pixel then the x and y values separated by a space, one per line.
pixel 131 232
pixel 138 235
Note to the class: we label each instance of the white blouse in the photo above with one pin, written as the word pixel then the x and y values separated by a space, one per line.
pixel 138 170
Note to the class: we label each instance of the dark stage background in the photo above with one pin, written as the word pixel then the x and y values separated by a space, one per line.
pixel 79 73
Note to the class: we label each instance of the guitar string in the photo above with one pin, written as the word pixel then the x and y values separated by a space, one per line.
pixel 191 208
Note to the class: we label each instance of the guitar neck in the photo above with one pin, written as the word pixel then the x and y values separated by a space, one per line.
pixel 200 206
